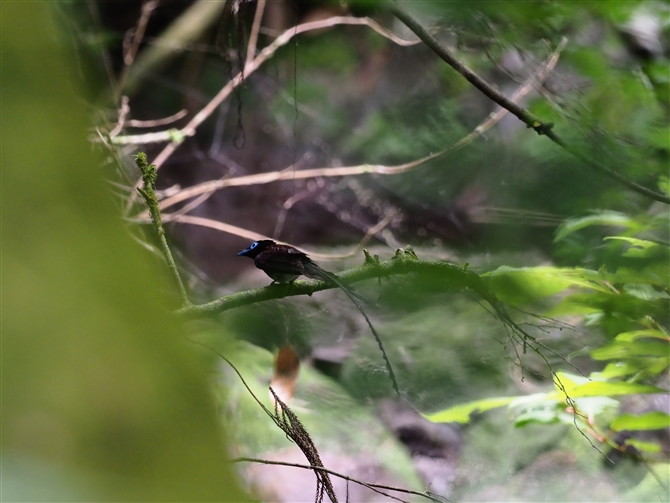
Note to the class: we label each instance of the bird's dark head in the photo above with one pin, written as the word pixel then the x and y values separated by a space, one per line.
pixel 255 248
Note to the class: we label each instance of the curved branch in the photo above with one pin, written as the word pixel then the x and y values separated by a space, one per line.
pixel 532 121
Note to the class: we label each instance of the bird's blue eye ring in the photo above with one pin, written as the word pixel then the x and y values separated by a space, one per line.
pixel 253 245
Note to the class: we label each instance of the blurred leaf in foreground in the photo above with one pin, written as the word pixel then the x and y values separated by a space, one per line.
pixel 102 398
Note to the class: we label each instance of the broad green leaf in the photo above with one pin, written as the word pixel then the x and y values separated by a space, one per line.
pixel 655 273
pixel 641 243
pixel 461 413
pixel 572 305
pixel 650 421
pixel 627 349
pixel 611 218
pixel 567 382
pixel 535 400
pixel 594 405
pixel 643 446
pixel 645 366
pixel 530 283
pixel 636 334
pixel 599 388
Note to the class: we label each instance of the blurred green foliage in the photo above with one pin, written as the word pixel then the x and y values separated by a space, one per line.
pixel 103 398
pixel 629 298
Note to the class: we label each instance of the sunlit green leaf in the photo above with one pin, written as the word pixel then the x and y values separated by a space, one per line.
pixel 643 446
pixel 568 382
pixel 599 388
pixel 642 243
pixel 594 405
pixel 610 218
pixel 644 366
pixel 627 349
pixel 636 334
pixel 650 421
pixel 461 413
pixel 535 400
pixel 542 416
pixel 525 284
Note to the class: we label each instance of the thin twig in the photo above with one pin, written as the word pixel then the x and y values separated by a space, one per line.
pixel 373 487
pixel 287 421
pixel 255 27
pixel 146 138
pixel 134 44
pixel 124 110
pixel 532 121
pixel 157 122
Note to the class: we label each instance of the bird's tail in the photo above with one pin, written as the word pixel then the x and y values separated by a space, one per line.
pixel 312 270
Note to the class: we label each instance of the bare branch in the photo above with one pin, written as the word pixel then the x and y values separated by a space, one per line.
pixel 158 122
pixel 253 37
pixel 290 174
pixel 132 44
pixel 123 113
pixel 255 236
pixel 251 67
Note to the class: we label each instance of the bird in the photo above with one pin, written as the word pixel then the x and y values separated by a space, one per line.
pixel 284 264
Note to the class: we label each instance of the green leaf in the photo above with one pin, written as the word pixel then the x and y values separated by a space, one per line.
pixel 646 366
pixel 529 283
pixel 600 388
pixel 594 405
pixel 611 218
pixel 664 184
pixel 650 421
pixel 626 349
pixel 641 243
pixel 535 400
pixel 643 446
pixel 568 382
pixel 542 416
pixel 461 413
pixel 636 334
pixel 571 305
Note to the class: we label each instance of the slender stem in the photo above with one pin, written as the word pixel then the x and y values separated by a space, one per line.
pixel 255 28
pixel 148 191
pixel 533 122
pixel 374 487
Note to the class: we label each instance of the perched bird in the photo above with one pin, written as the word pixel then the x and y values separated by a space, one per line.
pixel 285 263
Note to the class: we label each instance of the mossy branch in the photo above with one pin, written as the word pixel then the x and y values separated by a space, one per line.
pixel 404 262
pixel 148 192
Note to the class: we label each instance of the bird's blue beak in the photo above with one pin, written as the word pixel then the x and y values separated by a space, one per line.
pixel 244 252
